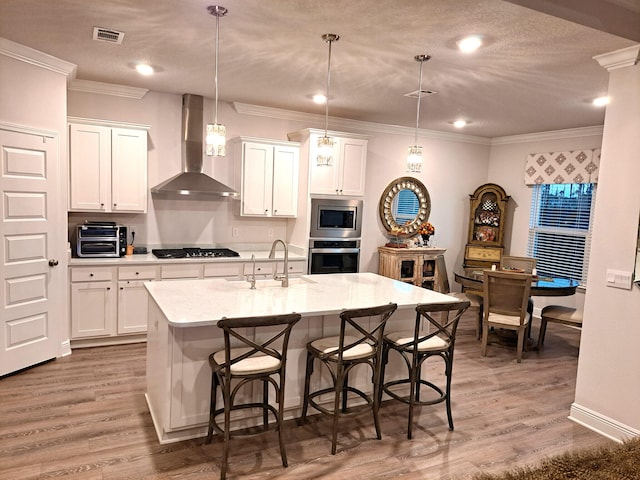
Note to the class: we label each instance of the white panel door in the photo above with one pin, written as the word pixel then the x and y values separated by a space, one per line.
pixel 257 173
pixel 354 161
pixel 128 170
pixel 31 289
pixel 285 181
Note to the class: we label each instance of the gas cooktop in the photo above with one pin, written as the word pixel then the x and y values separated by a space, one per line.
pixel 193 252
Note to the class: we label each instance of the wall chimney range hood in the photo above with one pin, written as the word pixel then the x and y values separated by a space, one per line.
pixel 191 181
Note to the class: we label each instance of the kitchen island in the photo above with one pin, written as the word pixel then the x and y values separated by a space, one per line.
pixel 182 332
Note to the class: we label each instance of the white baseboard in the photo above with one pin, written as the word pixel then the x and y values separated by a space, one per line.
pixel 600 424
pixel 65 348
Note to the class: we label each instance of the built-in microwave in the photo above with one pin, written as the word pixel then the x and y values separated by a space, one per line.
pixel 336 218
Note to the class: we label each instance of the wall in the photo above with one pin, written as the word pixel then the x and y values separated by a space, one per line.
pixel 608 383
pixel 184 221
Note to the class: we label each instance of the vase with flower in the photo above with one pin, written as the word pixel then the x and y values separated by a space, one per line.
pixel 426 230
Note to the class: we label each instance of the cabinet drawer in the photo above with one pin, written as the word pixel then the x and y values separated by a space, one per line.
pixel 227 270
pixel 180 271
pixel 261 268
pixel 91 274
pixel 298 268
pixel 140 272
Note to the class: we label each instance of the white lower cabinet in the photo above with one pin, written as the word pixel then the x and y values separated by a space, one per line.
pixel 133 299
pixel 93 302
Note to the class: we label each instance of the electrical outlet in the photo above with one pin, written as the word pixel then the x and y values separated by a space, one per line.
pixel 235 231
pixel 132 229
pixel 270 232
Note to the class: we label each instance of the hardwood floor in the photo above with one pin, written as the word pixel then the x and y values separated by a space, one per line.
pixel 84 417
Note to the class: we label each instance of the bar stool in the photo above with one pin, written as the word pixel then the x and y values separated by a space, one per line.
pixel 361 344
pixel 246 362
pixel 558 314
pixel 416 347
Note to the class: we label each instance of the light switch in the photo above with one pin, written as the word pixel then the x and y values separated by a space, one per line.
pixel 619 279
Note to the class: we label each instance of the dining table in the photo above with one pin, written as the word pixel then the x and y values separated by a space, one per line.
pixel 472 279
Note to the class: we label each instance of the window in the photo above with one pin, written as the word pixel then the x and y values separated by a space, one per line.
pixel 560 229
pixel 405 206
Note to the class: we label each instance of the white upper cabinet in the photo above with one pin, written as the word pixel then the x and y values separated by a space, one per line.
pixel 346 174
pixel 108 168
pixel 268 176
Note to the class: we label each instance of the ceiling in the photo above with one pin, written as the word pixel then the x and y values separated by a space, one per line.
pixel 534 73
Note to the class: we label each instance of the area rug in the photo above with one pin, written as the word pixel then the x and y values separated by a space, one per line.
pixel 619 462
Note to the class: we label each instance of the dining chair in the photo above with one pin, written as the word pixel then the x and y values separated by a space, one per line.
pixel 506 299
pixel 474 298
pixel 244 360
pixel 518 264
pixel 558 314
pixel 435 339
pixel 359 343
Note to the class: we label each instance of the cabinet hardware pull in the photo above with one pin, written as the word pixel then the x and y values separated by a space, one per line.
pixel 53 262
pixel 91 274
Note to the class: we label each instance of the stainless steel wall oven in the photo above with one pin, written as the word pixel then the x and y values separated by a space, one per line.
pixel 334 256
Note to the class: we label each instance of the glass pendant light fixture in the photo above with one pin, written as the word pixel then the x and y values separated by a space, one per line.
pixel 216 133
pixel 414 160
pixel 325 144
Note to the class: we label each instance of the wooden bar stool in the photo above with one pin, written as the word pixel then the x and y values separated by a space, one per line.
pixel 415 347
pixel 558 314
pixel 247 361
pixel 359 342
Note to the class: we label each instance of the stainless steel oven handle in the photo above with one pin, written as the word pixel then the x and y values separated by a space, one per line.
pixel 334 250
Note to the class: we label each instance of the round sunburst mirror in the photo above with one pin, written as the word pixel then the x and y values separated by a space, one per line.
pixel 404 206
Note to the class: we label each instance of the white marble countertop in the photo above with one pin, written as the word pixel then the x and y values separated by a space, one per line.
pixel 193 303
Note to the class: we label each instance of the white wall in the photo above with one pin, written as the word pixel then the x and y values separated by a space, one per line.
pixel 608 384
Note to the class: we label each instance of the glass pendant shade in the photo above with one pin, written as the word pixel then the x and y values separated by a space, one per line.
pixel 414 159
pixel 216 140
pixel 324 157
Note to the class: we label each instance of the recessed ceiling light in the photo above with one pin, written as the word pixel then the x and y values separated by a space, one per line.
pixel 459 123
pixel 470 44
pixel 601 101
pixel 144 69
pixel 319 99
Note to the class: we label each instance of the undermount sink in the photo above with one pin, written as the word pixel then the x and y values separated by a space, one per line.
pixel 270 283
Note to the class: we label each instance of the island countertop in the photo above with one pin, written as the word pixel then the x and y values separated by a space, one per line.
pixel 195 303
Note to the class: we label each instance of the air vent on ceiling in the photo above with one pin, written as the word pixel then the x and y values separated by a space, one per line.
pixel 107 35
pixel 421 93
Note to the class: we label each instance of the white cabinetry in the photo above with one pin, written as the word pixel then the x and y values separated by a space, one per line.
pixel 108 168
pixel 93 302
pixel 133 299
pixel 346 174
pixel 267 172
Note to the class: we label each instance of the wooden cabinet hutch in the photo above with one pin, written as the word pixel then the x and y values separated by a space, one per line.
pixel 487 216
pixel 417 266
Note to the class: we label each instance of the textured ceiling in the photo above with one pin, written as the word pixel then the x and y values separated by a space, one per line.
pixel 535 72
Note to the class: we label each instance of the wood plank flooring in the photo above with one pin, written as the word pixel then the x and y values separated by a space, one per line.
pixel 84 417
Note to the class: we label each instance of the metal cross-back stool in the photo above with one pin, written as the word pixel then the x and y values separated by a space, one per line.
pixel 248 361
pixel 436 338
pixel 359 342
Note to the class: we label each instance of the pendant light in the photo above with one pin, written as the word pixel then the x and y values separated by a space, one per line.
pixel 215 139
pixel 414 160
pixel 325 144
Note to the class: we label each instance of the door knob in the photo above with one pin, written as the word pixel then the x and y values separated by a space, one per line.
pixel 53 262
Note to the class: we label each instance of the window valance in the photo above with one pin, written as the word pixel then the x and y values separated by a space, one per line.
pixel 578 166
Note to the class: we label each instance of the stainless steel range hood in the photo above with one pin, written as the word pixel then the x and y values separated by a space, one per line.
pixel 191 181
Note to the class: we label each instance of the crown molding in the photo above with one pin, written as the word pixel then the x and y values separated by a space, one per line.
pixel 344 123
pixel 108 89
pixel 107 123
pixel 625 57
pixel 552 135
pixel 37 58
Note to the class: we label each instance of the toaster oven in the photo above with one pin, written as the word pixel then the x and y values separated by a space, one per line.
pixel 102 240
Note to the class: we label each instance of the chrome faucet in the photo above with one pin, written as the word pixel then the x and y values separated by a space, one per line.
pixel 252 279
pixel 272 254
